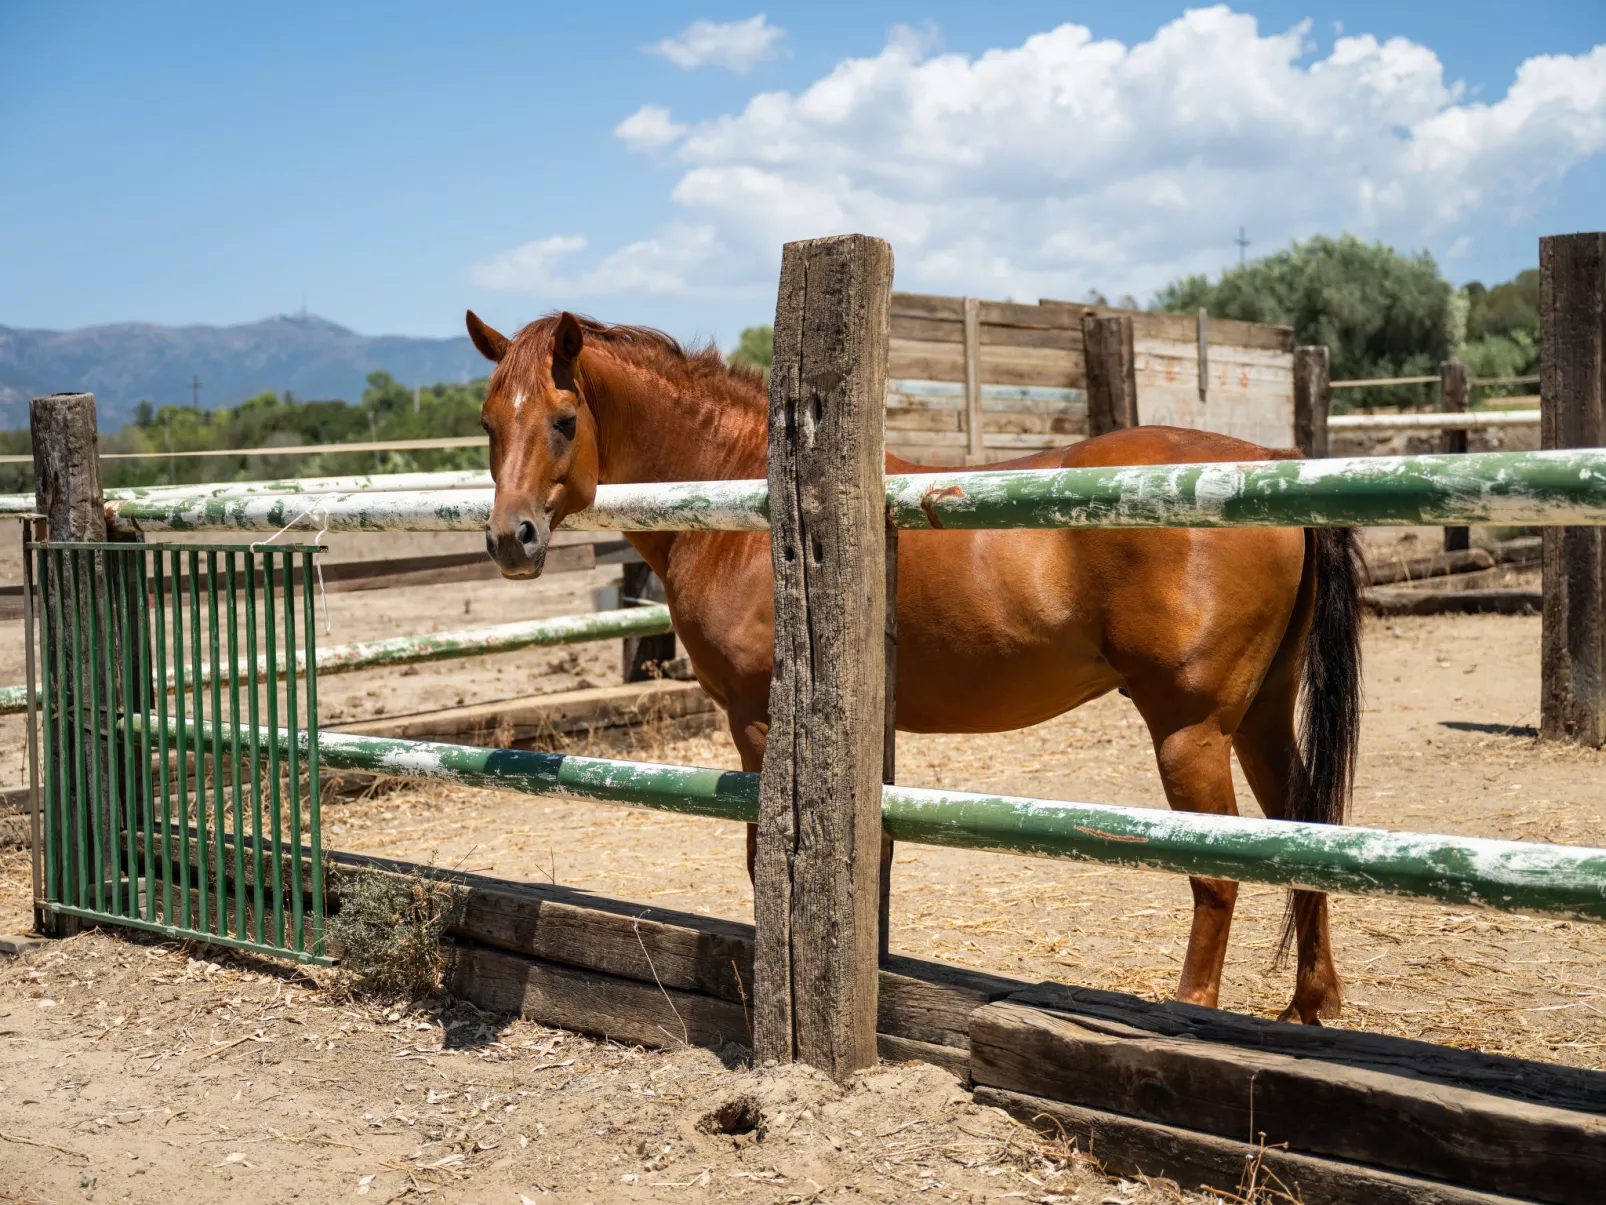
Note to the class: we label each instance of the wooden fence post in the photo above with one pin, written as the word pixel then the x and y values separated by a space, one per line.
pixel 815 888
pixel 645 657
pixel 1572 414
pixel 975 424
pixel 1313 399
pixel 1112 384
pixel 67 491
pixel 1453 388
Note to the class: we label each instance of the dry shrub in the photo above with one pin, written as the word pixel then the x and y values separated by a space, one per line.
pixel 389 929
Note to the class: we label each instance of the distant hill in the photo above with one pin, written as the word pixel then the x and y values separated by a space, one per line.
pixel 127 361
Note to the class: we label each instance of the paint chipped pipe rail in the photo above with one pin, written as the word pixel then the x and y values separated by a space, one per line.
pixel 1476 420
pixel 650 619
pixel 1513 876
pixel 455 479
pixel 1565 486
pixel 655 506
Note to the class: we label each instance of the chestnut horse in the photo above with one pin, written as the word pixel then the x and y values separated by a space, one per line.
pixel 1213 633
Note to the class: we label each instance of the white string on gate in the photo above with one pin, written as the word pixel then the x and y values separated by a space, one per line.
pixel 316 513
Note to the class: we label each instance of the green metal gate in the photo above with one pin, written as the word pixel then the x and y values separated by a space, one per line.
pixel 177 761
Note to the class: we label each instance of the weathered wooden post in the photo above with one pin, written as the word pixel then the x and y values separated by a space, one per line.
pixel 975 423
pixel 645 657
pixel 1572 414
pixel 67 491
pixel 1313 399
pixel 1111 365
pixel 1453 388
pixel 816 890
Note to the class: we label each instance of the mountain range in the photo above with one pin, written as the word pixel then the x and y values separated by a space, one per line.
pixel 127 362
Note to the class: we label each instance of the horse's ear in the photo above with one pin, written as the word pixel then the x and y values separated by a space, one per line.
pixel 492 344
pixel 568 340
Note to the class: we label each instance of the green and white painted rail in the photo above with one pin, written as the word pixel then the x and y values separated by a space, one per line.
pixel 651 619
pixel 455 479
pixel 1514 876
pixel 1524 488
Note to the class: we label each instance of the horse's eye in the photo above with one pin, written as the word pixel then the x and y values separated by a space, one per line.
pixel 565 425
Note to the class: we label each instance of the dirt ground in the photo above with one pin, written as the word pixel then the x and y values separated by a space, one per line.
pixel 116 1051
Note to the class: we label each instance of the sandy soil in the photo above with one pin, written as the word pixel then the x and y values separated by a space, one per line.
pixel 136 1072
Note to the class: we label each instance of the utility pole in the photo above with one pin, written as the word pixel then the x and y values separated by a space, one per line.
pixel 195 386
pixel 1243 243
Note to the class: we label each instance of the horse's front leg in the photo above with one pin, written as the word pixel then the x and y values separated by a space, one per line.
pixel 1196 769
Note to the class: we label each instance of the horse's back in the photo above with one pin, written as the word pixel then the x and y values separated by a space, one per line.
pixel 1132 445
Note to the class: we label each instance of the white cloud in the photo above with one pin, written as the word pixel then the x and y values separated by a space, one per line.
pixel 648 128
pixel 526 269
pixel 1067 162
pixel 735 45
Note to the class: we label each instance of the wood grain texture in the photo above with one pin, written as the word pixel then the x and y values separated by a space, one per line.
pixel 1520 1079
pixel 816 888
pixel 1487 1142
pixel 1130 1146
pixel 1572 414
pixel 975 453
pixel 954 1059
pixel 1313 399
pixel 626 1010
pixel 1111 373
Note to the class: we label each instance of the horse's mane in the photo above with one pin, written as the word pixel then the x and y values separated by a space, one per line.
pixel 700 367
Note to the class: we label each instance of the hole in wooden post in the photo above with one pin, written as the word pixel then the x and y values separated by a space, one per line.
pixel 819 553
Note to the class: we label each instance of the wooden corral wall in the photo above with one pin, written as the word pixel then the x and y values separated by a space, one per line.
pixel 1021 369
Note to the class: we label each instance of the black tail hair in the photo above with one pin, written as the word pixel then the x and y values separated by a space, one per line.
pixel 1330 695
pixel 1330 727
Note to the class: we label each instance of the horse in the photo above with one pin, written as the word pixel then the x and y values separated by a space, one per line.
pixel 1214 634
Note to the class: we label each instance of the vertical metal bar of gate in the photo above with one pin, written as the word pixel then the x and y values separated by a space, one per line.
pixel 297 938
pixel 313 790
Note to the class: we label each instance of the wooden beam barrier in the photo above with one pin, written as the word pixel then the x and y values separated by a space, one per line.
pixel 816 886
pixel 1572 405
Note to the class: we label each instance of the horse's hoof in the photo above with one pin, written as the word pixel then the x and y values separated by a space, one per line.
pixel 1294 1016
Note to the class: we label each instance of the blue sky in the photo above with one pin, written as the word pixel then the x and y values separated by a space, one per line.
pixel 393 163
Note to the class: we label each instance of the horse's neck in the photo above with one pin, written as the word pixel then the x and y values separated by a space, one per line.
pixel 653 429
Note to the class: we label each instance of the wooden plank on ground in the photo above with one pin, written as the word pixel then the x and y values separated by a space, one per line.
pixel 1129 1146
pixel 953 1059
pixel 1542 1083
pixel 1495 601
pixel 626 1010
pixel 1408 1124
pixel 534 717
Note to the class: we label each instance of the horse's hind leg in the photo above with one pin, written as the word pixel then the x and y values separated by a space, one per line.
pixel 1196 770
pixel 1269 754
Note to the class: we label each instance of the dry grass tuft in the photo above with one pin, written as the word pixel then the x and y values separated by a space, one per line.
pixel 389 930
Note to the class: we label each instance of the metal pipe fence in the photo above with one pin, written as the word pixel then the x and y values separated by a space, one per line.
pixel 1555 487
pixel 651 619
pixel 1511 875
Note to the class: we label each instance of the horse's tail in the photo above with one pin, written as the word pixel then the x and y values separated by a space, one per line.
pixel 1330 727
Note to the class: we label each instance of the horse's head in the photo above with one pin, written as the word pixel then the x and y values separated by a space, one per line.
pixel 543 437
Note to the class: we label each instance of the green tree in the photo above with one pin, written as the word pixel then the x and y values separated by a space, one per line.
pixel 755 349
pixel 1503 327
pixel 1380 313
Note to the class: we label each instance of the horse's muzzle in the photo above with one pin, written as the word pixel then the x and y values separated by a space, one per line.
pixel 519 549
